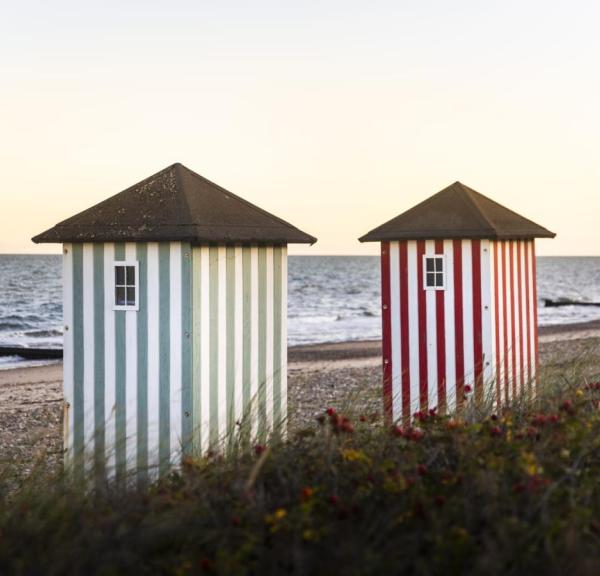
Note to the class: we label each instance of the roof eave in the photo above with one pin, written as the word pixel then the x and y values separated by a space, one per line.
pixel 375 236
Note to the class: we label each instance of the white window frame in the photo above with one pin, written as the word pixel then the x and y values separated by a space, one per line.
pixel 135 264
pixel 441 257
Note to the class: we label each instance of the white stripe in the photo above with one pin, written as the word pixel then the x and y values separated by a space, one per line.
pixel 431 322
pixel 109 359
pixel 152 284
pixel 467 283
pixel 524 312
pixel 517 342
pixel 204 349
pixel 394 256
pixel 131 375
pixel 501 313
pixel 413 324
pixel 532 305
pixel 254 340
pixel 509 281
pixel 88 355
pixel 239 333
pixel 222 341
pixel 492 358
pixel 269 336
pixel 486 320
pixel 449 323
pixel 68 375
pixel 175 350
pixel 284 339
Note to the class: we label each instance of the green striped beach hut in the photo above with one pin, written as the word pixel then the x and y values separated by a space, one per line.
pixel 175 315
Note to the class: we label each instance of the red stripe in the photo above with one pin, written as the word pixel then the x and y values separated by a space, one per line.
pixel 497 324
pixel 422 327
pixel 405 354
pixel 520 273
pixel 505 322
pixel 441 339
pixel 386 329
pixel 458 320
pixel 512 318
pixel 477 317
pixel 528 313
pixel 535 310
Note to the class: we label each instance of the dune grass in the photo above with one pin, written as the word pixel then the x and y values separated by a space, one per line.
pixel 513 492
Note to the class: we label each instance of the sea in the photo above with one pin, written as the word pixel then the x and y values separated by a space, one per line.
pixel 330 298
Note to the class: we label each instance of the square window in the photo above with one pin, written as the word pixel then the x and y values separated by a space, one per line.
pixel 126 285
pixel 433 272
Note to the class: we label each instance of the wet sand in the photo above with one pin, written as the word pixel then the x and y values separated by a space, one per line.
pixel 320 375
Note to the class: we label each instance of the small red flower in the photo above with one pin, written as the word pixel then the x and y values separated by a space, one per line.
pixel 306 493
pixel 259 449
pixel 415 434
pixel 467 389
pixel 398 431
pixel 421 469
pixel 554 418
pixel 330 411
pixel 567 406
pixel 496 431
pixel 363 418
pixel 345 425
pixel 539 420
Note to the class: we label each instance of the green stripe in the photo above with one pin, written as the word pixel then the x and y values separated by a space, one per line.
pixel 120 382
pixel 247 331
pixel 262 344
pixel 164 272
pixel 230 353
pixel 142 366
pixel 99 389
pixel 196 343
pixel 78 360
pixel 277 302
pixel 186 352
pixel 213 267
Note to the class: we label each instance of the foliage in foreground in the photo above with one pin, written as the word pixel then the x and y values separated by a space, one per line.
pixel 510 493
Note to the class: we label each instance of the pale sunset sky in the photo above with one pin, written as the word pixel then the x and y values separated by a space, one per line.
pixel 334 115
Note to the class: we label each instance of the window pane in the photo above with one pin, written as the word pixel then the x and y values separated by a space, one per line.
pixel 429 264
pixel 120 296
pixel 130 275
pixel 119 275
pixel 439 264
pixel 440 279
pixel 430 279
pixel 130 296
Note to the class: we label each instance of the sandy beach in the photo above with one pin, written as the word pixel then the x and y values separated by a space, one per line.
pixel 320 375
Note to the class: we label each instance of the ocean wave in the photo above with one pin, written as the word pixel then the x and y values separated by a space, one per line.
pixel 43 333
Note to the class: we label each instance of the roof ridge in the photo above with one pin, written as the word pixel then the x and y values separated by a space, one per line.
pixel 469 193
pixel 239 198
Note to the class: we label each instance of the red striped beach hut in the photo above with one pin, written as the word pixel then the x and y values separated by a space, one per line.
pixel 459 296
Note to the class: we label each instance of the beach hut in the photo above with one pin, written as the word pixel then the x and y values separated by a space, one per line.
pixel 458 284
pixel 175 308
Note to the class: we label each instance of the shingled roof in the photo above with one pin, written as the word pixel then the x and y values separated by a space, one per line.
pixel 175 204
pixel 457 212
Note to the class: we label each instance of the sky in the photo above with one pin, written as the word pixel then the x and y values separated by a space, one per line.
pixel 334 115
